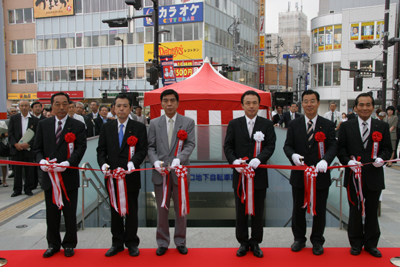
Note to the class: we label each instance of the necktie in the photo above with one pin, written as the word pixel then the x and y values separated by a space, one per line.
pixel 121 134
pixel 58 132
pixel 332 118
pixel 310 132
pixel 250 128
pixel 170 131
pixel 292 116
pixel 365 134
pixel 94 116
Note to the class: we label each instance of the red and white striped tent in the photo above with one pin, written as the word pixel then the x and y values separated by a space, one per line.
pixel 208 98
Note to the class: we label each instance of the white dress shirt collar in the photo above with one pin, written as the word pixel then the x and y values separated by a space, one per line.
pixel 314 120
pixel 361 126
pixel 125 123
pixel 63 120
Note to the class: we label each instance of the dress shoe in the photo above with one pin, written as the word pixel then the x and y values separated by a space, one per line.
pixel 257 251
pixel 317 249
pixel 11 175
pixel 50 252
pixel 355 251
pixel 161 251
pixel 297 246
pixel 29 193
pixel 374 252
pixel 242 251
pixel 114 251
pixel 15 194
pixel 182 249
pixel 133 251
pixel 69 252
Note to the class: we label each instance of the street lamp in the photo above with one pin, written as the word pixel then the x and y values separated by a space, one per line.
pixel 123 70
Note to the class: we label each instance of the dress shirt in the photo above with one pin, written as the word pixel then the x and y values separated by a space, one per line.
pixel 361 126
pixel 24 122
pixel 173 121
pixel 248 120
pixel 292 116
pixel 95 115
pixel 79 118
pixel 124 123
pixel 314 121
pixel 63 120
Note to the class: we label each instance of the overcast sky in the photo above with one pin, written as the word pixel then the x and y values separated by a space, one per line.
pixel 273 7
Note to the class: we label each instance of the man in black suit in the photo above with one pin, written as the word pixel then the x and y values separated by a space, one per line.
pixel 94 106
pixel 113 152
pixel 80 107
pixel 51 143
pixel 18 125
pixel 278 116
pixel 289 115
pixel 240 143
pixel 37 109
pixel 353 115
pixel 356 138
pixel 300 144
pixel 101 119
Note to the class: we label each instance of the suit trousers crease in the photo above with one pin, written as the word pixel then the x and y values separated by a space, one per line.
pixel 53 220
pixel 163 236
pixel 299 224
pixel 242 231
pixel 124 231
pixel 18 173
pixel 364 234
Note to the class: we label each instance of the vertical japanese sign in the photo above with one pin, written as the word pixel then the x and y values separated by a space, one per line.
pixel 379 29
pixel 321 39
pixel 354 31
pixel 367 30
pixel 337 37
pixel 262 44
pixel 168 72
pixel 328 38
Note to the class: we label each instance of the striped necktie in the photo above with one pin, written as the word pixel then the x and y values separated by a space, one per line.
pixel 58 132
pixel 310 132
pixel 365 134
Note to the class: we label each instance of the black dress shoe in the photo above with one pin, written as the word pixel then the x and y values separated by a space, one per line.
pixel 114 251
pixel 297 246
pixel 374 252
pixel 69 252
pixel 161 251
pixel 242 251
pixel 257 251
pixel 50 252
pixel 355 251
pixel 317 249
pixel 29 193
pixel 15 194
pixel 182 249
pixel 133 251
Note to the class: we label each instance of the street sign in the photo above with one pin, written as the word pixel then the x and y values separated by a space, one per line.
pixel 293 55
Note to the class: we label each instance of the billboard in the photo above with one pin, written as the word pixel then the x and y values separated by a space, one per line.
pixel 180 50
pixel 17 96
pixel 52 8
pixel 176 14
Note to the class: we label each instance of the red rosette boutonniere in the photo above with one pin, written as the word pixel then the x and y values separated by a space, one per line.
pixel 376 137
pixel 320 138
pixel 182 136
pixel 131 141
pixel 70 139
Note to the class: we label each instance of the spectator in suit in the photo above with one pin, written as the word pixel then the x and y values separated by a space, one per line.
pixel 37 109
pixel 80 107
pixel 72 114
pixel 289 115
pixel 139 116
pixel 94 106
pixel 278 116
pixel 352 115
pixel 112 115
pixel 12 111
pixel 334 116
pixel 101 119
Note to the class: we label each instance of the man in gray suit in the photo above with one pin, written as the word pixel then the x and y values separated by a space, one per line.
pixel 162 143
pixel 139 116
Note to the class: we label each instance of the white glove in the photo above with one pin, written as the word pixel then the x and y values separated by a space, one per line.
pixel 378 163
pixel 157 165
pixel 254 163
pixel 175 163
pixel 44 168
pixel 61 167
pixel 131 167
pixel 105 168
pixel 238 162
pixel 296 159
pixel 353 162
pixel 322 166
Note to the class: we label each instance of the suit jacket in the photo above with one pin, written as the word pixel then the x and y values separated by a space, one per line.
pixel 89 127
pixel 238 144
pixel 286 118
pixel 143 119
pixel 98 124
pixel 296 142
pixel 276 119
pixel 350 144
pixel 158 144
pixel 108 150
pixel 15 133
pixel 45 147
pixel 351 116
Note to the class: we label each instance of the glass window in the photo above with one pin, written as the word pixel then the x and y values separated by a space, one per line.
pixel 70 42
pixel 177 33
pixel 28 15
pixel 21 77
pixel 188 32
pixel 366 65
pixel 103 5
pixel 140 71
pixel 56 75
pixel 328 74
pixel 353 66
pixel 113 73
pixel 96 74
pixel 120 73
pixel 130 39
pixel 29 47
pixel 30 76
pixel 103 40
pixel 14 76
pixel 40 75
pixel 13 47
pixel 88 41
pixel 19 16
pixel 78 40
pixel 112 5
pixel 378 67
pixel 105 73
pixel 167 37
pixel 139 37
pixel 64 75
pixel 78 6
pixel 315 76
pixel 11 17
pixel 111 40
pixel 95 41
pixel 88 74
pixel 79 74
pixel 149 34
pixel 71 75
pixel 56 43
pixel 95 6
pixel 337 42
pixel 39 45
pixel 20 46
pixel 336 74
pixel 48 75
pixel 63 43
pixel 86 6
pixel 320 74
pixel 130 72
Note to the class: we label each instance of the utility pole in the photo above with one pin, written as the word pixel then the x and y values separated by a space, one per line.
pixel 385 53
pixel 155 30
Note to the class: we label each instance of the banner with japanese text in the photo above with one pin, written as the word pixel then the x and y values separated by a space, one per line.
pixel 46 9
pixel 167 67
pixel 180 50
pixel 176 14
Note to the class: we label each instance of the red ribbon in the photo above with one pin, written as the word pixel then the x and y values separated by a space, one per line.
pixel 165 188
pixel 310 181
pixel 184 207
pixel 119 175
pixel 257 149
pixel 249 173
pixel 57 185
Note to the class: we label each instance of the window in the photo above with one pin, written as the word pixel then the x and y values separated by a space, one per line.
pixel 353 66
pixel 177 33
pixel 140 71
pixel 95 41
pixel 315 77
pixel 11 17
pixel 336 74
pixel 120 73
pixel 56 43
pixel 56 75
pixel 71 75
pixel 19 16
pixel 337 41
pixel 328 74
pixel 88 74
pixel 105 73
pixel 88 41
pixel 366 65
pixel 188 32
pixel 78 40
pixel 378 67
pixel 64 75
pixel 70 42
pixel 20 46
pixel 29 47
pixel 149 34
pixel 30 76
pixel 40 45
pixel 139 37
pixel 63 43
pixel 40 75
pixel 130 72
pixel 103 40
pixel 13 47
pixel 79 74
pixel 14 76
pixel 111 40
pixel 130 39
pixel 96 74
pixel 321 75
pixel 78 6
pixel 28 15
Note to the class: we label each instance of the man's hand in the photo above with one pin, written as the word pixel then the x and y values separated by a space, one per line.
pixel 354 162
pixel 62 166
pixel 238 162
pixel 296 159
pixel 105 168
pixel 131 167
pixel 44 168
pixel 25 146
pixel 18 146
pixel 322 166
pixel 378 163
pixel 158 167
pixel 175 163
pixel 254 163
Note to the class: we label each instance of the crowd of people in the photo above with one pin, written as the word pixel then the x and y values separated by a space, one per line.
pixel 125 141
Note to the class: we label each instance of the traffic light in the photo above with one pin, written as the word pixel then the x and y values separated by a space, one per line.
pixel 224 73
pixel 230 69
pixel 366 44
pixel 379 95
pixel 105 96
pixel 358 83
pixel 116 23
pixel 153 78
pixel 137 4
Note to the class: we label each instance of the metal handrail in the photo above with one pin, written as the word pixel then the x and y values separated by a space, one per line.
pixel 88 180
pixel 339 183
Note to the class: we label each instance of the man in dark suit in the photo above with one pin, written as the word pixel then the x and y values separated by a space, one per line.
pixel 101 119
pixel 289 115
pixel 94 106
pixel 50 144
pixel 356 138
pixel 353 115
pixel 239 143
pixel 301 144
pixel 80 107
pixel 18 125
pixel 37 109
pixel 113 152
pixel 278 116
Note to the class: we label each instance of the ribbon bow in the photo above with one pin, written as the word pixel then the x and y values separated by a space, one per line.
pixel 181 173
pixel 310 189
pixel 119 175
pixel 57 185
pixel 248 189
pixel 357 181
pixel 165 175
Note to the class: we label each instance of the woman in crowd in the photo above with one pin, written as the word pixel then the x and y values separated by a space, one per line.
pixel 392 120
